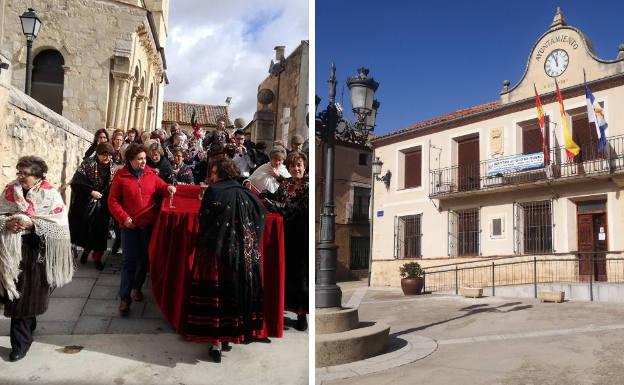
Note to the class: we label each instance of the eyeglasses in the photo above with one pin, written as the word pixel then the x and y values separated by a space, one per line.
pixel 23 174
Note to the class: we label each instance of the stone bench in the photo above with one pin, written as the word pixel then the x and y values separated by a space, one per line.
pixel 471 292
pixel 551 296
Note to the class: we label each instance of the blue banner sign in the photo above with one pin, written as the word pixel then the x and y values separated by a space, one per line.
pixel 515 163
pixel 380 213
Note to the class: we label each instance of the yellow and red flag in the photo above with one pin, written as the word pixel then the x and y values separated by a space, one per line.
pixel 572 149
pixel 541 119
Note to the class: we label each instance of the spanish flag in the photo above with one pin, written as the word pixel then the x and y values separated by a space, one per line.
pixel 572 149
pixel 540 118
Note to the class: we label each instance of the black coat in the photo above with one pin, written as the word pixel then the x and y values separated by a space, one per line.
pixel 164 168
pixel 88 218
pixel 31 283
pixel 292 202
pixel 227 281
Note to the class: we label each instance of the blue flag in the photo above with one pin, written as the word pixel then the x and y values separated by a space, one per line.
pixel 596 115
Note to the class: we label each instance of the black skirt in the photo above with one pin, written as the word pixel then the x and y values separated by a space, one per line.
pixel 31 284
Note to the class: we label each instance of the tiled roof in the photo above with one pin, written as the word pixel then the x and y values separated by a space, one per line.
pixel 443 118
pixel 206 114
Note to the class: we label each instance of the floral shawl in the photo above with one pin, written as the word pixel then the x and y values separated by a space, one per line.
pixel 44 206
pixel 182 174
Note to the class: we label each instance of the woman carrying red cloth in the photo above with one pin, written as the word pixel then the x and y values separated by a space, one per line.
pixel 133 203
pixel 225 303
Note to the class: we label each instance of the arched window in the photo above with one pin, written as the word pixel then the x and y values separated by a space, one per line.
pixel 47 79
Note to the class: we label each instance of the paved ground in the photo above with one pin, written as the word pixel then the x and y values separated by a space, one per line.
pixel 497 340
pixel 142 349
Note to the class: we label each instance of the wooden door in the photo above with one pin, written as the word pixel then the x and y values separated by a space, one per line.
pixel 584 134
pixel 468 163
pixel 600 242
pixel 592 239
pixel 585 228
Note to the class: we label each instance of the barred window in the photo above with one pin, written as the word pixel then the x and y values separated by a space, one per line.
pixel 408 236
pixel 534 227
pixel 361 198
pixel 468 232
pixel 360 248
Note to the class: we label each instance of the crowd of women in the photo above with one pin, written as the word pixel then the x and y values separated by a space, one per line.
pixel 118 187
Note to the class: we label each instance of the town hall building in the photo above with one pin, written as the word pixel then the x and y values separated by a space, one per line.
pixel 477 184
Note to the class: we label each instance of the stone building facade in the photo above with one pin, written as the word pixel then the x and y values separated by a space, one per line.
pixel 352 189
pixel 479 185
pixel 207 115
pixel 288 108
pixel 29 128
pixel 110 56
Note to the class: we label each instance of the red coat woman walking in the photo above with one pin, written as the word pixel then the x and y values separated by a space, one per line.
pixel 133 202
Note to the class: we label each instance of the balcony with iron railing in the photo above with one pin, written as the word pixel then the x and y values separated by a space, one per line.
pixel 503 173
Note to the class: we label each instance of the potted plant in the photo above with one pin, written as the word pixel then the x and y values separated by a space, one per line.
pixel 411 278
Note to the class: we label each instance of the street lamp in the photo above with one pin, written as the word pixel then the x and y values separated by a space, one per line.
pixel 377 163
pixel 31 25
pixel 330 125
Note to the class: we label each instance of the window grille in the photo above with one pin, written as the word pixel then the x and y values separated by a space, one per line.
pixel 360 249
pixel 468 232
pixel 408 235
pixel 533 227
pixel 361 199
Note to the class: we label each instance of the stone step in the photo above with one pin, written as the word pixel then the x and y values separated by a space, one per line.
pixel 366 341
pixel 336 320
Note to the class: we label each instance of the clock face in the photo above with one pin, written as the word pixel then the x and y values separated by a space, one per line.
pixel 556 63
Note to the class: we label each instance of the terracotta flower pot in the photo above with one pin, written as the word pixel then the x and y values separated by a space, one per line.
pixel 411 286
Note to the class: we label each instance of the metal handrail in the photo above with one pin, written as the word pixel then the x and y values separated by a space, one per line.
pixel 446 180
pixel 488 259
pixel 588 266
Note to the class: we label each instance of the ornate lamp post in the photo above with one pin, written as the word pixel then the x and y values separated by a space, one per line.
pixel 31 25
pixel 329 125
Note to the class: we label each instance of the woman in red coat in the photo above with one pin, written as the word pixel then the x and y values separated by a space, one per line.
pixel 133 202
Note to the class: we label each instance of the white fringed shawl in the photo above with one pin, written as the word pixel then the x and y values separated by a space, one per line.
pixel 263 180
pixel 44 206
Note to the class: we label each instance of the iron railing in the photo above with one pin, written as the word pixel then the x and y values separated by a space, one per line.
pixel 590 161
pixel 358 214
pixel 589 267
pixel 360 249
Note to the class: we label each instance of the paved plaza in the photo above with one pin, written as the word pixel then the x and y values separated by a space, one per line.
pixel 142 349
pixel 494 340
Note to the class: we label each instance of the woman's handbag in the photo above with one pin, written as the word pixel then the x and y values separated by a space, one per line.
pixel 93 208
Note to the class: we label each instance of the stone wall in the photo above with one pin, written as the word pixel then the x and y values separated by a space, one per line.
pixel 109 55
pixel 292 95
pixel 29 128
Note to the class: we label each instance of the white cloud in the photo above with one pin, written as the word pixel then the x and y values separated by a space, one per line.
pixel 220 49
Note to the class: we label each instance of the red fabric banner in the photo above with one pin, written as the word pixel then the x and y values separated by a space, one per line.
pixel 172 249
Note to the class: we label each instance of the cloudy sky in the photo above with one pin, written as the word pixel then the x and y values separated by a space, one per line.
pixel 217 49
